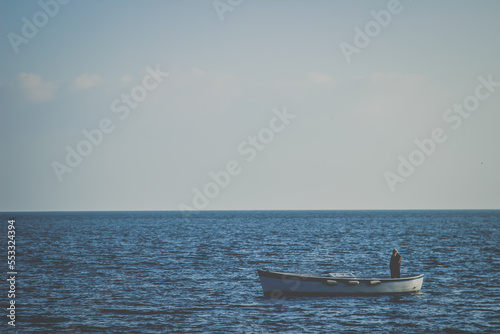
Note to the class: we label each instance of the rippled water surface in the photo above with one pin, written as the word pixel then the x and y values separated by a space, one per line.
pixel 158 272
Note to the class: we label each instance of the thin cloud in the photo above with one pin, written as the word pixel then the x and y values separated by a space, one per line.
pixel 36 89
pixel 319 77
pixel 86 81
pixel 127 78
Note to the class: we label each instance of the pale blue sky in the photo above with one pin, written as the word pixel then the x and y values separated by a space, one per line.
pixel 352 120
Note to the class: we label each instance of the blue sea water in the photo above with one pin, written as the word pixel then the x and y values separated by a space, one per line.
pixel 161 272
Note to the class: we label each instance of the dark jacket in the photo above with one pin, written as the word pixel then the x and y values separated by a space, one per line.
pixel 396 263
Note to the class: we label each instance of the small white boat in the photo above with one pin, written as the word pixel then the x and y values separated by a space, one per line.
pixel 277 284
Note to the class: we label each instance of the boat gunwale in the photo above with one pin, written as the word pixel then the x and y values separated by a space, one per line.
pixel 305 277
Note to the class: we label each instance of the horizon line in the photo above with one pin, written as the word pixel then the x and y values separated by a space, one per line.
pixel 242 210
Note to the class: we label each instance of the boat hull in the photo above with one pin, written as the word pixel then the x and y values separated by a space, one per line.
pixel 276 284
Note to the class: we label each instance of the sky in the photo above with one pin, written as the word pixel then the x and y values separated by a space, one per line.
pixel 249 105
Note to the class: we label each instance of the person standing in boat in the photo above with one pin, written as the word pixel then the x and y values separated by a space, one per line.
pixel 395 264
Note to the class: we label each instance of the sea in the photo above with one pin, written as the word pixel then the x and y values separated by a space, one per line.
pixel 169 272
